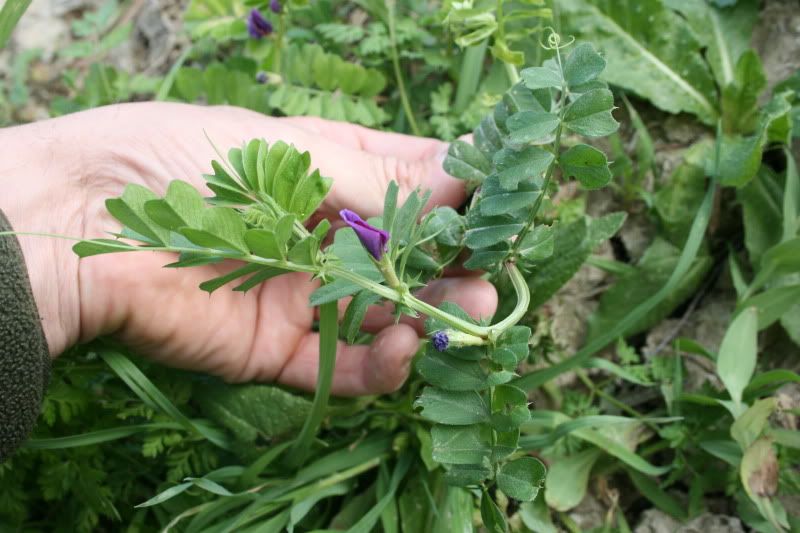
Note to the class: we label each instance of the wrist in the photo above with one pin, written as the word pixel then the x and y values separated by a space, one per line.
pixel 41 179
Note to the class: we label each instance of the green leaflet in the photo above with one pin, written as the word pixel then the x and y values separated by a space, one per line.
pixel 586 164
pixel 522 478
pixel 466 162
pixel 459 445
pixel 355 313
pixel 515 166
pixel 453 408
pixel 509 410
pixel 537 244
pixel 590 114
pixel 532 127
pixel 493 518
pixel 279 171
pixel 648 62
pixel 583 65
pixel 447 372
pixel 347 247
pixel 129 209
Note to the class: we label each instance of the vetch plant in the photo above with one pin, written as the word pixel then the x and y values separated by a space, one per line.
pixel 263 198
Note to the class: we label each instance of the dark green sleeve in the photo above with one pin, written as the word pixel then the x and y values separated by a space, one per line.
pixel 24 357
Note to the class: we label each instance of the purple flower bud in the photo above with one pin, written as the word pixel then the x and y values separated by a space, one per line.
pixel 257 25
pixel 373 239
pixel 275 6
pixel 440 341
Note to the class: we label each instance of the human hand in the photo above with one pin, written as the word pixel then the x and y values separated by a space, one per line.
pixel 262 335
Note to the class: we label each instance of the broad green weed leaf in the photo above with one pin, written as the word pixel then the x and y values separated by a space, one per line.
pixel 761 210
pixel 678 200
pixel 250 411
pixel 522 478
pixel 749 427
pixel 674 78
pixel 453 408
pixel 737 353
pixel 590 114
pixel 724 31
pixel 573 243
pixel 536 516
pixel 773 303
pixel 651 273
pixel 586 164
pixel 568 478
pixel 740 97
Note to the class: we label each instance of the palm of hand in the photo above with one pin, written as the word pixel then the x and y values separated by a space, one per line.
pixel 265 334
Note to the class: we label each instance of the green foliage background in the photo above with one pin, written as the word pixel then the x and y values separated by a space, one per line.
pixel 126 445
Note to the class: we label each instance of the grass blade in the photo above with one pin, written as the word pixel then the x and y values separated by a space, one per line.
pixel 9 16
pixel 328 339
pixel 149 394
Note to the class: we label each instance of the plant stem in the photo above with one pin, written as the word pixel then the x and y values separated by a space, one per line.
pixel 390 7
pixel 512 73
pixel 550 168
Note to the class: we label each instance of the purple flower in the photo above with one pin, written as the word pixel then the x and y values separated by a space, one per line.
pixel 373 239
pixel 257 25
pixel 440 341
pixel 275 6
